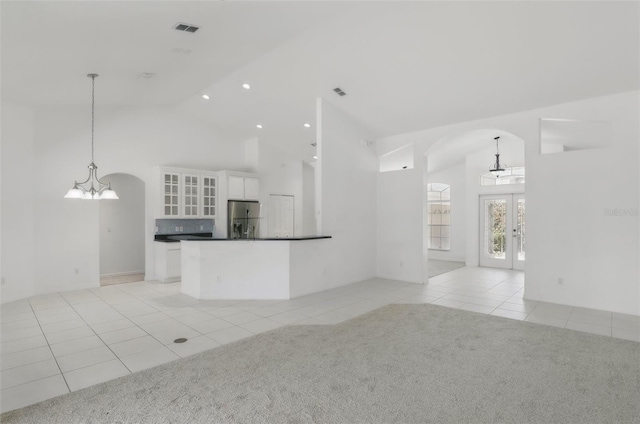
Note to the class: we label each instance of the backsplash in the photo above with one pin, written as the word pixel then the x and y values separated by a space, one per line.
pixel 181 226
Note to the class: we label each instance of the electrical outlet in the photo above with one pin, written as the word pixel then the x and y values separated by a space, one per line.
pixel 76 271
pixel 177 228
pixel 219 279
pixel 202 228
pixel 560 281
pixel 181 228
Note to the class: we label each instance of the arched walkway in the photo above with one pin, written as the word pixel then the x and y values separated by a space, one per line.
pixel 121 233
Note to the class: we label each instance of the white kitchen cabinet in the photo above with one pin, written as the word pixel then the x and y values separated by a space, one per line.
pixel 168 262
pixel 209 196
pixel 243 188
pixel 188 193
pixel 236 188
pixel 251 188
pixel 191 195
pixel 170 194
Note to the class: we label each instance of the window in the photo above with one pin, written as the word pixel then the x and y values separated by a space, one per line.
pixel 439 214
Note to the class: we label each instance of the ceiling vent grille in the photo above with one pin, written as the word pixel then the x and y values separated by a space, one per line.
pixel 339 91
pixel 186 27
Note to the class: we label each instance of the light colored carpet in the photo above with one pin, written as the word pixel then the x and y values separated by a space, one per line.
pixel 397 364
pixel 437 267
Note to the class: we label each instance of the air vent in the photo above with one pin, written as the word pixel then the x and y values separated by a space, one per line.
pixel 339 91
pixel 186 28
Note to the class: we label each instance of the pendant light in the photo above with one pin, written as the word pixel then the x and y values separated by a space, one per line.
pixel 91 188
pixel 497 169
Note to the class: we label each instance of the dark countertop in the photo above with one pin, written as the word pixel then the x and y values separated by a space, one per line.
pixel 174 238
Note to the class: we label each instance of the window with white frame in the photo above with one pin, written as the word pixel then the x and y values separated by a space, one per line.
pixel 439 216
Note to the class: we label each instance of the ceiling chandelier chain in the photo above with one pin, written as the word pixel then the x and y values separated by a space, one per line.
pixel 93 107
pixel 497 169
pixel 96 189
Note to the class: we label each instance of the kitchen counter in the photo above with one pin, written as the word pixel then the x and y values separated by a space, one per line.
pixel 187 237
pixel 279 268
pixel 175 238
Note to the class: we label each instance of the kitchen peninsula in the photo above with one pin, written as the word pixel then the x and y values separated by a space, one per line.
pixel 276 268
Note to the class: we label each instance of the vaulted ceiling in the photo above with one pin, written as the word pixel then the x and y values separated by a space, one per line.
pixel 405 66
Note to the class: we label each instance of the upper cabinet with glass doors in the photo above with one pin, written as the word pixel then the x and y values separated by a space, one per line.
pixel 187 193
pixel 171 194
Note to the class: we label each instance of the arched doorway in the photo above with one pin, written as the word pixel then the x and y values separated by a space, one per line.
pixel 122 235
pixel 459 162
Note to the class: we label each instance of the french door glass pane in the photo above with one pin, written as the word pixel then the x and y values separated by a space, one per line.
pixel 495 228
pixel 520 229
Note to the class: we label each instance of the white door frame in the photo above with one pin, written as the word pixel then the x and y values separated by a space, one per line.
pixel 281 223
pixel 517 234
pixel 512 232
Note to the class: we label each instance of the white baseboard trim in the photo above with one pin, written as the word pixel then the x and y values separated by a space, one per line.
pixel 122 274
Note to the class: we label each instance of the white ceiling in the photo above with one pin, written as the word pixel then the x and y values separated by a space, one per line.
pixel 405 66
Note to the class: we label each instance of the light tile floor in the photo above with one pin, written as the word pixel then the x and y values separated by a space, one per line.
pixel 64 342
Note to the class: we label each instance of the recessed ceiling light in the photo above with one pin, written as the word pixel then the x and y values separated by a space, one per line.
pixel 307 125
pixel 206 97
pixel 315 157
pixel 246 86
pixel 259 126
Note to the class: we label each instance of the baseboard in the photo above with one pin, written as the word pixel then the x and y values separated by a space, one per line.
pixel 14 296
pixel 122 274
pixel 170 279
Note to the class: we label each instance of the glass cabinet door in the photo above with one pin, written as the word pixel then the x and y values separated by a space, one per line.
pixel 171 194
pixel 209 192
pixel 191 187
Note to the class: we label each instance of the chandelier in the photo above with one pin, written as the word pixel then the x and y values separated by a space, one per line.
pixel 497 169
pixel 92 187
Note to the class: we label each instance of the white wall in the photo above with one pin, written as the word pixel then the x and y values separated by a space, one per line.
pixel 574 238
pixel 18 183
pixel 569 235
pixel 308 200
pixel 280 174
pixel 347 183
pixel 400 225
pixel 455 177
pixel 127 140
pixel 122 235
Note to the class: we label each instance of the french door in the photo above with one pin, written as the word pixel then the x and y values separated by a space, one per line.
pixel 502 231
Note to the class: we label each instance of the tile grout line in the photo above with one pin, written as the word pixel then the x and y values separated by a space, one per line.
pixel 49 346
pixel 97 335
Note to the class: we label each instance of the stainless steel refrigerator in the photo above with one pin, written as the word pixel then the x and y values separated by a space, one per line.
pixel 243 219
